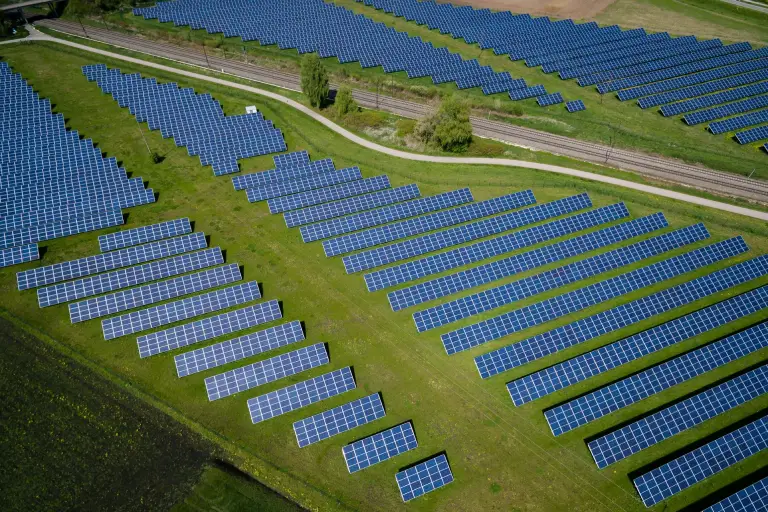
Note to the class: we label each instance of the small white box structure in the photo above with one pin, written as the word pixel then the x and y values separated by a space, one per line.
pixel 251 109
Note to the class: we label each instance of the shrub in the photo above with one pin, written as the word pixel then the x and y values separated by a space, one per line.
pixel 486 148
pixel 366 119
pixel 405 127
pixel 314 80
pixel 449 129
pixel 344 102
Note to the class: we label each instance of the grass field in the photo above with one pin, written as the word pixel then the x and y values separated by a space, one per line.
pixel 503 458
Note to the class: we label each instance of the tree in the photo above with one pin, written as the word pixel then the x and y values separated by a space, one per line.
pixel 449 128
pixel 314 80
pixel 344 102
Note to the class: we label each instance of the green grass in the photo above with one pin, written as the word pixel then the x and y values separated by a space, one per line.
pixel 502 456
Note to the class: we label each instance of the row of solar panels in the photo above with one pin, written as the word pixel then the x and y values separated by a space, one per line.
pixel 416 227
pixel 52 183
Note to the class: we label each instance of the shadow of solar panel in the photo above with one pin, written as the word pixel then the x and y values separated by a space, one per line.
pixel 338 420
pixel 293 159
pixel 314 181
pixel 324 195
pixel 109 261
pixel 265 178
pixel 613 397
pixel 296 396
pixel 19 254
pixel 703 462
pixel 752 135
pixel 239 348
pixel 350 205
pixel 736 123
pixel 379 447
pixel 266 371
pixel 60 229
pixel 499 296
pixel 453 283
pixel 750 499
pixel 461 234
pixel 144 234
pixel 131 276
pixel 616 354
pixel 594 294
pixel 423 478
pixel 382 216
pixel 207 328
pixel 681 416
pixel 575 106
pixel 155 292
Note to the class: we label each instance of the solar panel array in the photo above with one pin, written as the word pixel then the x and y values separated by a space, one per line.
pixel 379 447
pixel 753 135
pixel 293 186
pixel 324 195
pixel 738 122
pixel 301 394
pixel 266 371
pixel 423 478
pixel 575 106
pixel 338 420
pixel 549 99
pixel 54 184
pixel 730 109
pixel 144 234
pixel 293 159
pixel 207 328
pixel 750 499
pixel 239 348
pixel 265 178
pixel 703 462
pixel 693 91
pixel 710 100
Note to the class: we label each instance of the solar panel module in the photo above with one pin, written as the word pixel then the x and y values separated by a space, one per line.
pixel 379 447
pixel 19 254
pixel 753 498
pixel 144 234
pixel 338 420
pixel 424 477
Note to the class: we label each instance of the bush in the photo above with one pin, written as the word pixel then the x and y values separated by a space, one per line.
pixel 314 80
pixel 366 119
pixel 449 129
pixel 486 148
pixel 405 127
pixel 344 102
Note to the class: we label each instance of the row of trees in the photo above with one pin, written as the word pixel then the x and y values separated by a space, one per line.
pixel 448 129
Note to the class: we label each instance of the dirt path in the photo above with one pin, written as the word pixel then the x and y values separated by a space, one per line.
pixel 578 9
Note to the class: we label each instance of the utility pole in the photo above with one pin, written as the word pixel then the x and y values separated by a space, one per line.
pixel 83 27
pixel 206 55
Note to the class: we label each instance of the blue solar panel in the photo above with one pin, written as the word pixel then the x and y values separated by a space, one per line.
pixel 324 195
pixel 131 276
pixel 736 123
pixel 714 99
pixel 109 261
pixel 294 159
pixel 753 135
pixel 608 399
pixel 351 205
pixel 730 109
pixel 338 420
pixel 489 248
pixel 527 92
pixel 750 499
pixel 20 254
pixel 144 234
pixel 314 181
pixel 207 328
pixel 549 99
pixel 239 348
pixel 703 462
pixel 266 371
pixel 264 178
pixel 702 88
pixel 301 394
pixel 379 447
pixel 29 218
pixel 423 478
pixel 596 293
pixel 575 106
pixel 681 416
pixel 403 229
pixel 461 234
pixel 499 296
pixel 60 229
pixel 383 215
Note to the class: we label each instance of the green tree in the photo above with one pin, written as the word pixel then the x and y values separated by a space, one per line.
pixel 449 128
pixel 344 102
pixel 314 80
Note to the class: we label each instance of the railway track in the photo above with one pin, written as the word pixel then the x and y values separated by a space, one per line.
pixel 663 169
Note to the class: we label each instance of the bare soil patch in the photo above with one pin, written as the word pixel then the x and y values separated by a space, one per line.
pixel 578 9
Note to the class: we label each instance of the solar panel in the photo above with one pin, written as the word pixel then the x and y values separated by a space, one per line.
pixel 131 276
pixel 351 205
pixel 207 328
pixel 388 233
pixel 479 251
pixel 703 462
pixel 59 229
pixel 239 348
pixel 379 447
pixel 753 135
pixel 20 254
pixel 423 478
pixel 266 371
pixel 144 234
pixel 610 356
pixel 681 416
pixel 549 99
pixel 155 292
pixel 699 89
pixel 710 114
pixel 461 234
pixel 338 420
pixel 383 215
pixel 510 293
pixel 489 272
pixel 324 195
pixel 104 262
pixel 608 399
pixel 264 178
pixel 535 314
pixel 710 100
pixel 575 106
pixel 296 396
pixel 314 181
pixel 739 122
pixel 750 499
pixel 294 159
